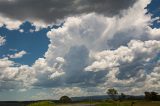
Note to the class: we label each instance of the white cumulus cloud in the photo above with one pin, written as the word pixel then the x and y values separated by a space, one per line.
pixel 2 41
pixel 90 50
pixel 18 55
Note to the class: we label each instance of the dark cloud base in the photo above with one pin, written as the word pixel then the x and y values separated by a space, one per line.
pixel 51 10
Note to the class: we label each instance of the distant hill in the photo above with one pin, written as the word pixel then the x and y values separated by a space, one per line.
pixel 88 98
pixel 103 97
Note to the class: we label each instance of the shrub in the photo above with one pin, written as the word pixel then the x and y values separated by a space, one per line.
pixel 65 99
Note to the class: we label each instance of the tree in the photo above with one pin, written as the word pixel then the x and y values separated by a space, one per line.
pixel 65 99
pixel 112 93
pixel 147 95
pixel 151 96
pixel 122 96
pixel 154 96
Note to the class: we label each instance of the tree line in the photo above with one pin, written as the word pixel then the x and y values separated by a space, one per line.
pixel 150 96
pixel 114 95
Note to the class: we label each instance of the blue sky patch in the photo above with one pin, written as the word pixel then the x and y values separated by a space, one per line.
pixel 34 43
pixel 154 9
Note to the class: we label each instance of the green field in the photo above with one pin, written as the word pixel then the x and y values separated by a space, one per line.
pixel 45 103
pixel 116 103
pixel 129 103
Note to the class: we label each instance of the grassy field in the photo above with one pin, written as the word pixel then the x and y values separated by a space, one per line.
pixel 124 103
pixel 45 103
pixel 129 103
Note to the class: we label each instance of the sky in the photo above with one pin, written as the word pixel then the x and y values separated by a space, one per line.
pixel 51 48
